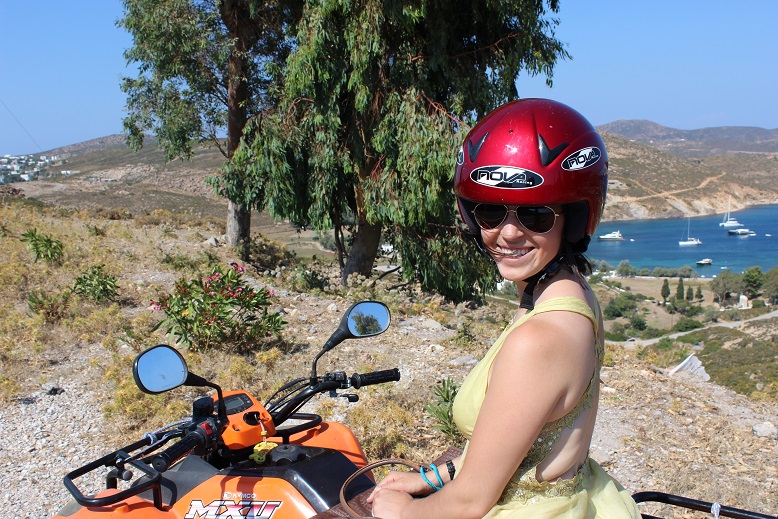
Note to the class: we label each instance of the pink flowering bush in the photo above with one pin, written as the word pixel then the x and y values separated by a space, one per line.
pixel 221 309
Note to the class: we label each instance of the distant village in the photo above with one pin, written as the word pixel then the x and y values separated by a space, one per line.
pixel 25 168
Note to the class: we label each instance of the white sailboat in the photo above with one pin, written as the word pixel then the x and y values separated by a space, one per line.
pixel 729 221
pixel 689 240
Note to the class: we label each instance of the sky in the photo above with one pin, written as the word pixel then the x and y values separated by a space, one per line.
pixel 684 64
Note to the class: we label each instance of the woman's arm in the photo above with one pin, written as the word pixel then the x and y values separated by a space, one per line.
pixel 412 483
pixel 539 364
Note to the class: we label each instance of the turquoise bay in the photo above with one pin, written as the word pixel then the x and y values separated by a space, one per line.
pixel 654 243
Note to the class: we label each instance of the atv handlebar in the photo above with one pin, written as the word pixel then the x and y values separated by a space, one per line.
pixel 376 377
pixel 193 439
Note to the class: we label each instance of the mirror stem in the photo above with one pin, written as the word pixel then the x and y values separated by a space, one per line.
pixel 198 381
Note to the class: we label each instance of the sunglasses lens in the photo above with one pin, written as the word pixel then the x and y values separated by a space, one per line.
pixel 490 216
pixel 536 219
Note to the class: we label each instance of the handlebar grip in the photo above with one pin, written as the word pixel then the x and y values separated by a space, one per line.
pixel 162 461
pixel 376 377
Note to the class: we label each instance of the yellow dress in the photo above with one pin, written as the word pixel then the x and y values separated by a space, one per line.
pixel 591 493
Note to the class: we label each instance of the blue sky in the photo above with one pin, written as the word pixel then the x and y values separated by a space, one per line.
pixel 681 63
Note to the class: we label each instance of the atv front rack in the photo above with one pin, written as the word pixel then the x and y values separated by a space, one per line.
pixel 118 460
pixel 716 509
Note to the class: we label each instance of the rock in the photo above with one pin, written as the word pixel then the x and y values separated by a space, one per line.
pixel 600 456
pixel 431 324
pixel 765 430
pixel 464 360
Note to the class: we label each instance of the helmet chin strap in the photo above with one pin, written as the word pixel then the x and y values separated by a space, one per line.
pixel 550 270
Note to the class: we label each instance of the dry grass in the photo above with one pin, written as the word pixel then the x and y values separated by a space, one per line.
pixel 148 254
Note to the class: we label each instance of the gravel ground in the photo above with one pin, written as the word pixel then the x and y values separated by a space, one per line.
pixel 654 432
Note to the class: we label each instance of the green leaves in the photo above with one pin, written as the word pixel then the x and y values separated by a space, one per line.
pixel 218 310
pixel 374 103
pixel 43 246
pixel 442 408
pixel 96 285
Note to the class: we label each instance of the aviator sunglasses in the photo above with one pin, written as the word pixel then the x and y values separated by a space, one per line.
pixel 536 219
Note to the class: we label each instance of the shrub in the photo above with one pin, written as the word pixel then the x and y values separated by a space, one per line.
pixel 52 307
pixel 266 253
pixel 441 409
pixel 622 306
pixel 96 285
pixel 619 336
pixel 222 308
pixel 95 230
pixel 43 246
pixel 686 324
pixel 327 240
pixel 637 322
pixel 184 262
pixel 308 278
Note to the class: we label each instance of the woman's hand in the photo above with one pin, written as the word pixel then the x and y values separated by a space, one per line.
pixel 408 482
pixel 389 504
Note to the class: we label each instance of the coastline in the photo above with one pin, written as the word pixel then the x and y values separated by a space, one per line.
pixel 614 206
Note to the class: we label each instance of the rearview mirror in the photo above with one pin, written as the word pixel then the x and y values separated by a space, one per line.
pixel 159 369
pixel 367 318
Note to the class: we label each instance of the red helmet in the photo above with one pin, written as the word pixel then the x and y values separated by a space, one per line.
pixel 535 152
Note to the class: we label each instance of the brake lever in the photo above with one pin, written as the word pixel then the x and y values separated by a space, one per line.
pixel 154 445
pixel 348 396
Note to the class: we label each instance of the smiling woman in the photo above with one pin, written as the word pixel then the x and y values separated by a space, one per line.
pixel 530 182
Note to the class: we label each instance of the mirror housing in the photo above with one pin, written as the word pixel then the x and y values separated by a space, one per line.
pixel 159 369
pixel 366 319
pixel 162 368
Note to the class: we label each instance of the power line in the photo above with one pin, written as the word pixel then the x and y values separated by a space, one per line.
pixel 21 125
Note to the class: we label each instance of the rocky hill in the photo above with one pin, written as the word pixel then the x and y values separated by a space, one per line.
pixel 652 173
pixel 723 140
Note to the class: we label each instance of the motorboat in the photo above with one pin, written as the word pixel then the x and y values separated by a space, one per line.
pixel 704 262
pixel 729 221
pixel 689 240
pixel 611 236
pixel 742 231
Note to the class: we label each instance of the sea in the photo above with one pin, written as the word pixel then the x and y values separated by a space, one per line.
pixel 654 243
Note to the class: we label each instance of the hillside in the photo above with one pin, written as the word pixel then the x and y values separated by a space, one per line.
pixel 660 172
pixel 651 176
pixel 725 140
pixel 654 432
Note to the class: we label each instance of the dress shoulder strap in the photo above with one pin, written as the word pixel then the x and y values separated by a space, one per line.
pixel 570 304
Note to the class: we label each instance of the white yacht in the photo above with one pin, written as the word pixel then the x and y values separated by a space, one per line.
pixel 742 231
pixel 612 236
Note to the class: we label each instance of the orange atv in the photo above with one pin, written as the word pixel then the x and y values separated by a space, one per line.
pixel 233 457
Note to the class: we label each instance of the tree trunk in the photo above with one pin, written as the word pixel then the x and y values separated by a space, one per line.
pixel 363 251
pixel 235 15
pixel 239 228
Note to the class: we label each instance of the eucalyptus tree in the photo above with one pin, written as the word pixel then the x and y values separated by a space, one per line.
pixel 204 68
pixel 377 96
